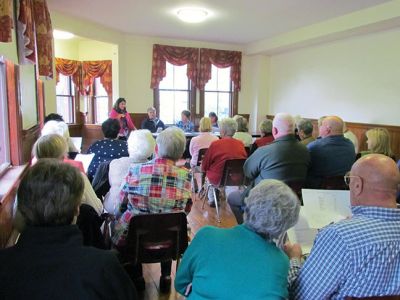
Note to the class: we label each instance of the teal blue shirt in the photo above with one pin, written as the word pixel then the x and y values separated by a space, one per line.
pixel 234 263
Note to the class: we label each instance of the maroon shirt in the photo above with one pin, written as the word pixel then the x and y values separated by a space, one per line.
pixel 216 155
pixel 264 141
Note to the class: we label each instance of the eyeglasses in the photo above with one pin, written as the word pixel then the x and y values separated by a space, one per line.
pixel 347 177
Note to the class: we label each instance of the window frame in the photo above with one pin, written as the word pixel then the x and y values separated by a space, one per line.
pixel 233 98
pixel 91 114
pixel 74 104
pixel 191 100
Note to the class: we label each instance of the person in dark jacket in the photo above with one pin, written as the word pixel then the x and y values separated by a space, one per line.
pixel 152 123
pixel 49 260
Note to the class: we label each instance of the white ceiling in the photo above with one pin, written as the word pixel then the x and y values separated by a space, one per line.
pixel 232 21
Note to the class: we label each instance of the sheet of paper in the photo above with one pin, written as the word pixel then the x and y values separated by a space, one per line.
pixel 302 233
pixel 322 207
pixel 77 141
pixel 85 159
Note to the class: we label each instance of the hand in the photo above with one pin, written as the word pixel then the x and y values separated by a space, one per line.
pixel 293 250
pixel 121 116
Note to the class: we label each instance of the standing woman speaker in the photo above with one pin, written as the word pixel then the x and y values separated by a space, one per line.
pixel 120 113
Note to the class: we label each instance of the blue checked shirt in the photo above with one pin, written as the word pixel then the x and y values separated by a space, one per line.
pixel 358 257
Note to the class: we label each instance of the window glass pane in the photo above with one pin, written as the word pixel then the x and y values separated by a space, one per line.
pixel 223 105
pixel 63 87
pixel 171 105
pixel 210 102
pixel 99 88
pixel 168 80
pixel 4 137
pixel 101 109
pixel 180 78
pixel 224 79
pixel 64 108
pixel 211 85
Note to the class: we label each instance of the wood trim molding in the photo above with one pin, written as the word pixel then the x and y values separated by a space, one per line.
pixel 29 137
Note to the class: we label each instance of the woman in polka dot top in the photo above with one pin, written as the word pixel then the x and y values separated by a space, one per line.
pixel 107 149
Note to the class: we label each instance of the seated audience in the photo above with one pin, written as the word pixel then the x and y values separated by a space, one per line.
pixel 266 138
pixel 219 152
pixel 55 146
pixel 141 145
pixel 155 187
pixel 242 132
pixel 284 159
pixel 203 140
pixel 351 136
pixel 242 262
pixel 120 113
pixel 49 260
pixel 378 141
pixel 359 256
pixel 214 121
pixel 60 127
pixel 185 124
pixel 332 154
pixel 108 148
pixel 152 123
pixel 305 130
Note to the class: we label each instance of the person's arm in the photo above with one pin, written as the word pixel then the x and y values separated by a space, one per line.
pixel 89 196
pixel 129 121
pixel 187 267
pixel 251 167
pixel 143 125
pixel 191 127
pixel 324 270
pixel 114 114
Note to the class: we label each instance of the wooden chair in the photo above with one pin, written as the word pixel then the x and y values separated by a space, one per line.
pixel 296 186
pixel 197 170
pixel 156 238
pixel 232 175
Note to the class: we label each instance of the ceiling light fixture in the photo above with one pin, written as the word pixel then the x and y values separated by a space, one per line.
pixel 62 35
pixel 192 14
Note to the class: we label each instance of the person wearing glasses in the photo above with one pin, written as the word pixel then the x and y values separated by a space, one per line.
pixel 359 256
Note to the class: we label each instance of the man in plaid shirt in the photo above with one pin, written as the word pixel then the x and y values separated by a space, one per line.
pixel 157 186
pixel 360 256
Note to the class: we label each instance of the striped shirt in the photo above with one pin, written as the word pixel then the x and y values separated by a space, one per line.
pixel 358 257
pixel 153 187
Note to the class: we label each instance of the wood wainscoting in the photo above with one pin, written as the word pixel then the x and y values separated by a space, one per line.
pixel 29 137
pixel 359 129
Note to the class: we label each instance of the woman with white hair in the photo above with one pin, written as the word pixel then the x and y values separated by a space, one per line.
pixel 61 128
pixel 243 262
pixel 220 151
pixel 141 145
pixel 242 132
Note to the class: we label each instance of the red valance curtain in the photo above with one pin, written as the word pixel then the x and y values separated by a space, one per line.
pixel 6 20
pixel 44 37
pixel 72 68
pixel 94 69
pixel 177 56
pixel 26 33
pixel 221 59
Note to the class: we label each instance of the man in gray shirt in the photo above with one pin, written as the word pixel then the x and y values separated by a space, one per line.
pixel 284 159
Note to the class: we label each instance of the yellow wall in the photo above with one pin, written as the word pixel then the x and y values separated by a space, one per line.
pixel 357 79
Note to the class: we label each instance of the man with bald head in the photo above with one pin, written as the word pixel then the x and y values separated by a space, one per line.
pixel 332 154
pixel 359 256
pixel 285 159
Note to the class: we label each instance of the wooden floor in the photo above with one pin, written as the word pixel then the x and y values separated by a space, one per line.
pixel 197 218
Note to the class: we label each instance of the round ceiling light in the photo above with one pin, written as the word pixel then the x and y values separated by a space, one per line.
pixel 192 14
pixel 62 35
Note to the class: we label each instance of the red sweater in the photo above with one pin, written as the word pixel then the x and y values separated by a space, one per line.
pixel 219 152
pixel 264 141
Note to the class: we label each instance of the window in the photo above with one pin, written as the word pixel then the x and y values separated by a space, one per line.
pixel 100 102
pixel 4 133
pixel 65 94
pixel 174 94
pixel 218 95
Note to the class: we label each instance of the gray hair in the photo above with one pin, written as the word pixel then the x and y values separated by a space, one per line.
pixel 242 123
pixel 171 143
pixel 151 109
pixel 284 122
pixel 271 208
pixel 306 126
pixel 228 125
pixel 265 126
pixel 141 144
pixel 50 146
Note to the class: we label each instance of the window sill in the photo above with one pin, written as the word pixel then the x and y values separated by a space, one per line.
pixel 10 179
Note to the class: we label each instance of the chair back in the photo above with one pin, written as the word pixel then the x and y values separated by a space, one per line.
pixel 333 183
pixel 233 174
pixel 296 186
pixel 156 237
pixel 200 157
pixel 248 151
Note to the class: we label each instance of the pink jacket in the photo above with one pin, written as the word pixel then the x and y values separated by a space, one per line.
pixel 115 115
